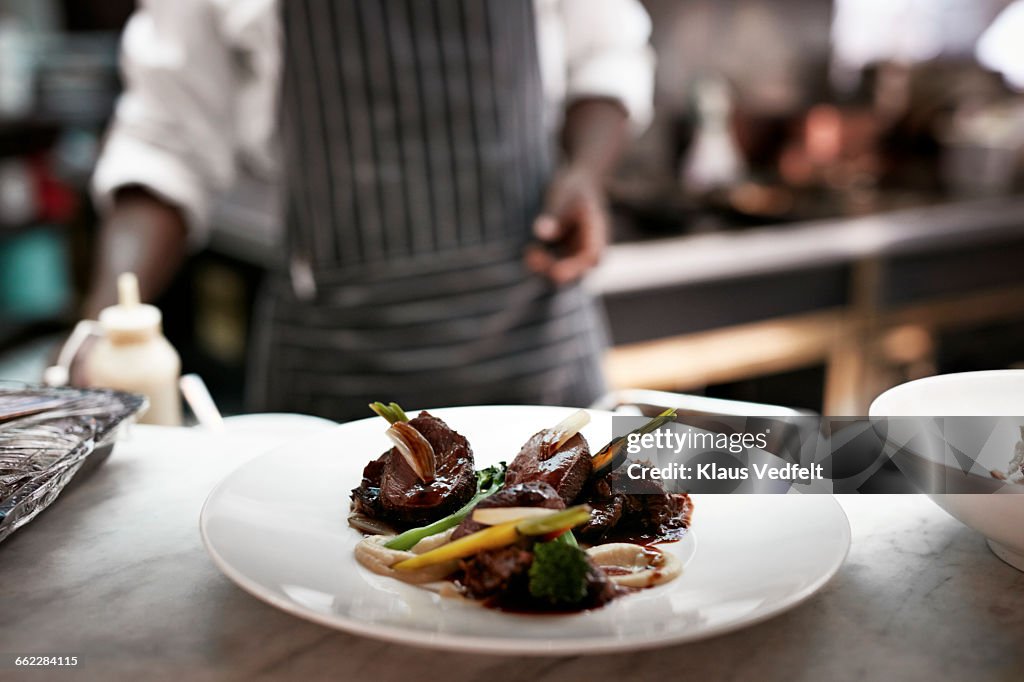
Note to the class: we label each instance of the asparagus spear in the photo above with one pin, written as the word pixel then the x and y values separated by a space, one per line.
pixel 611 455
pixel 392 412
pixel 502 535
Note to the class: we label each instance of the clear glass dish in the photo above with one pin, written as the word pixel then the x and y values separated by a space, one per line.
pixel 48 436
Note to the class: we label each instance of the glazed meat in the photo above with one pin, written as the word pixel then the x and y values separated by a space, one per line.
pixel 566 469
pixel 496 571
pixel 646 512
pixel 366 498
pixel 502 576
pixel 600 589
pixel 391 491
pixel 533 494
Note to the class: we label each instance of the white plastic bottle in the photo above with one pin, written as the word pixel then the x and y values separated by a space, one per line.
pixel 133 355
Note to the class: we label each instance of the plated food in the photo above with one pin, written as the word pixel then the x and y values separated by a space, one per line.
pixel 278 527
pixel 553 531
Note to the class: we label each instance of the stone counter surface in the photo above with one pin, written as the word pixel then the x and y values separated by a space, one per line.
pixel 116 574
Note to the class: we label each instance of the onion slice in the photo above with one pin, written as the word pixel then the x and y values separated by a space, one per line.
pixel 560 433
pixel 492 516
pixel 416 450
pixel 365 524
pixel 636 566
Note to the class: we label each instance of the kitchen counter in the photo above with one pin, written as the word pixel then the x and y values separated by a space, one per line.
pixel 693 259
pixel 881 261
pixel 115 573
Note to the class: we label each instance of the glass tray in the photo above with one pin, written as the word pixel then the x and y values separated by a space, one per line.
pixel 47 437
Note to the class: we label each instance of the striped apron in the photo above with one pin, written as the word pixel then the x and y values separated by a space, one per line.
pixel 416 158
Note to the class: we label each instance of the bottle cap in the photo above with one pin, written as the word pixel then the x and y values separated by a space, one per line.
pixel 130 317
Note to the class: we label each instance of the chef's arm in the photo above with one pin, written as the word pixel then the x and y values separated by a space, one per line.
pixel 595 132
pixel 609 79
pixel 609 84
pixel 142 234
pixel 171 144
pixel 573 229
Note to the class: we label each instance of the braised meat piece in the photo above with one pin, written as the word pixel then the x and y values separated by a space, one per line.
pixel 646 512
pixel 497 571
pixel 366 498
pixel 566 469
pixel 502 577
pixel 391 490
pixel 600 588
pixel 534 494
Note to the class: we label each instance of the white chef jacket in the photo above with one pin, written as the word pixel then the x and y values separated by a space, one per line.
pixel 202 80
pixel 1000 46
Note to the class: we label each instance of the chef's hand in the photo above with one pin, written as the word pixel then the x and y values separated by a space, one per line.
pixel 142 234
pixel 572 233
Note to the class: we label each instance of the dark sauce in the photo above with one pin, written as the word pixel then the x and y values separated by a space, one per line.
pixel 644 537
pixel 529 607
pixel 616 570
pixel 673 531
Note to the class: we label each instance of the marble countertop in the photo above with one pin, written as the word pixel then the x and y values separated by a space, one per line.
pixel 115 573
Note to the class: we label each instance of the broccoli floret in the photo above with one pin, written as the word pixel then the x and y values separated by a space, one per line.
pixel 490 480
pixel 558 574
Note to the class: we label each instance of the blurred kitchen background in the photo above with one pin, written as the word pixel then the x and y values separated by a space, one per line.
pixel 829 201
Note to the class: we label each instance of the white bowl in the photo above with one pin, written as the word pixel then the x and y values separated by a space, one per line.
pixel 998 516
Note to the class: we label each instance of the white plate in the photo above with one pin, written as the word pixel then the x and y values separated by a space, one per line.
pixel 277 527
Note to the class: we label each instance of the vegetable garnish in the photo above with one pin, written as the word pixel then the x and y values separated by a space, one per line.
pixel 636 565
pixel 367 524
pixel 493 537
pixel 415 449
pixel 392 412
pixel 502 535
pixel 488 482
pixel 567 538
pixel 560 434
pixel 494 515
pixel 569 517
pixel 558 574
pixel 613 454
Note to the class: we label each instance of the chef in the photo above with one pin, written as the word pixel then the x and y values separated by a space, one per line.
pixel 441 163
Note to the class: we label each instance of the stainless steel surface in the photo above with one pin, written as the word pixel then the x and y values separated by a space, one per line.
pixel 690 404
